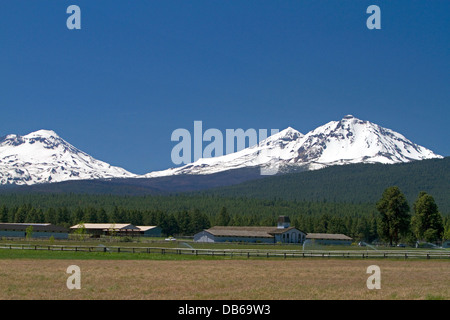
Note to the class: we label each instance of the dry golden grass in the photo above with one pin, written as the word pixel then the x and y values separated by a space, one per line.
pixel 224 279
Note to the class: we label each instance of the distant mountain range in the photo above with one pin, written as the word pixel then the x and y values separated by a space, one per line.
pixel 347 141
pixel 44 157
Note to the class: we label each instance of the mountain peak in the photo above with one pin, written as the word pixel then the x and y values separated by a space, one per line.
pixel 288 132
pixel 285 136
pixel 44 133
pixel 42 156
pixel 347 141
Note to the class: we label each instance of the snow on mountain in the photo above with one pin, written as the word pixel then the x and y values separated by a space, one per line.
pixel 278 147
pixel 42 157
pixel 347 141
pixel 352 140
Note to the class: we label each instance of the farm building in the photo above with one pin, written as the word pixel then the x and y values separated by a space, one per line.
pixel 117 229
pixel 149 231
pixel 329 238
pixel 283 233
pixel 35 230
pixel 107 229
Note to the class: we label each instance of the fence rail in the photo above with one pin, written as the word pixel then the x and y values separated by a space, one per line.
pixel 263 253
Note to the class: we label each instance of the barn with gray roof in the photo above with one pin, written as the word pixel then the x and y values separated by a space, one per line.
pixel 282 233
pixel 33 230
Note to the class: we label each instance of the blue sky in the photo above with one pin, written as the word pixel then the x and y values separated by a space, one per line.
pixel 138 70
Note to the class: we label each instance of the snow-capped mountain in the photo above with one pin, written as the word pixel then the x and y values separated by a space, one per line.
pixel 347 141
pixel 271 152
pixel 42 156
pixel 352 140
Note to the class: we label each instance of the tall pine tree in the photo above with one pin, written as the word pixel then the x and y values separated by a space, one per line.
pixel 395 218
pixel 427 223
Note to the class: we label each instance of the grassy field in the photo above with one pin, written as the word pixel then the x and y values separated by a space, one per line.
pixel 41 274
pixel 233 279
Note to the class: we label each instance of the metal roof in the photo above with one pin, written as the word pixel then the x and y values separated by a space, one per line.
pixel 106 226
pixel 38 227
pixel 327 236
pixel 112 226
pixel 146 228
pixel 254 232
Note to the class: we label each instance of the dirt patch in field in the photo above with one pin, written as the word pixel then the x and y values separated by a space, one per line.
pixel 224 279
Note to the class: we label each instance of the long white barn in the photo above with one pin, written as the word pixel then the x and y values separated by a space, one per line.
pixel 283 233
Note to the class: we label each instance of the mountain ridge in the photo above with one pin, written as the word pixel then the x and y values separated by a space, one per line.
pixel 44 157
pixel 349 140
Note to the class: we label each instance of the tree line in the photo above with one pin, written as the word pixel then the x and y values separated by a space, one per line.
pixel 189 222
pixel 357 183
pixel 426 223
pixel 392 223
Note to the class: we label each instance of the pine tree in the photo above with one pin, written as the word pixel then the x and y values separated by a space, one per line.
pixel 427 221
pixel 40 217
pixel 184 222
pixel 199 221
pixel 102 216
pixel 51 216
pixel 21 214
pixel 395 218
pixel 63 215
pixel 78 216
pixel 32 216
pixel 4 214
pixel 223 219
pixel 169 225
pixel 90 215
pixel 116 217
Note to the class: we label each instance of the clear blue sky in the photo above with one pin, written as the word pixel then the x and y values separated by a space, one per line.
pixel 138 70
